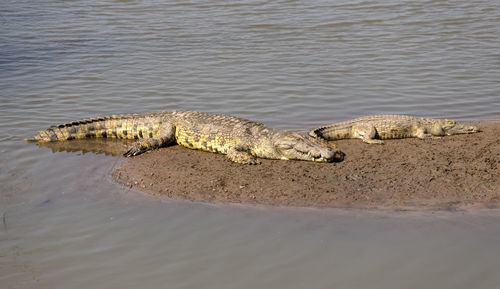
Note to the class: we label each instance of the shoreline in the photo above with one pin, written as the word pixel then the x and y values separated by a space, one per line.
pixel 453 173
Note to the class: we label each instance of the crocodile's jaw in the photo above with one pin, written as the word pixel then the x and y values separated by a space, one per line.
pixel 296 147
pixel 466 129
pixel 451 127
pixel 305 157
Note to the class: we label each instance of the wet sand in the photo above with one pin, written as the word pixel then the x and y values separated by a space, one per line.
pixel 452 173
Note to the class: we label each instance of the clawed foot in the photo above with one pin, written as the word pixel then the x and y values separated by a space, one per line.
pixel 239 155
pixel 244 159
pixel 252 162
pixel 135 150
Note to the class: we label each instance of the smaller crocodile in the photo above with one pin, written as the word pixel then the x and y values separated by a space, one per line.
pixel 374 129
pixel 242 140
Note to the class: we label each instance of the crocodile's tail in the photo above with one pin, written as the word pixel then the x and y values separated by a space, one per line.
pixel 332 132
pixel 123 126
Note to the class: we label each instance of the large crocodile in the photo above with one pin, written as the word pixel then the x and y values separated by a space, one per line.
pixel 242 140
pixel 373 129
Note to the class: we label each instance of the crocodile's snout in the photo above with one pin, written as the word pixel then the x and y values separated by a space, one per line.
pixel 473 129
pixel 336 156
pixel 339 156
pixel 318 150
pixel 330 155
pixel 459 129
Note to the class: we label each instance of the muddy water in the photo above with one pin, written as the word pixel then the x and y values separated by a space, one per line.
pixel 291 65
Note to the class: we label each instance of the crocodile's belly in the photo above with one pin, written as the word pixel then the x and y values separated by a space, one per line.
pixel 394 132
pixel 206 141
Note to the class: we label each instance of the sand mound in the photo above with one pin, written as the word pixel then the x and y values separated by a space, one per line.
pixel 454 172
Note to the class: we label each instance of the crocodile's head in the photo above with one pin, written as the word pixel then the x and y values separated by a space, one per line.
pixel 451 127
pixel 293 146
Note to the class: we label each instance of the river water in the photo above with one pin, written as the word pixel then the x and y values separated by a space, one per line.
pixel 289 64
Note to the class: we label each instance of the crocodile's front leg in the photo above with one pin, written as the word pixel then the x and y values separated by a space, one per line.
pixel 166 136
pixel 367 133
pixel 239 154
pixel 423 134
